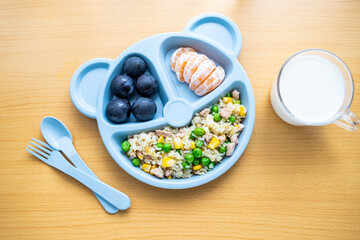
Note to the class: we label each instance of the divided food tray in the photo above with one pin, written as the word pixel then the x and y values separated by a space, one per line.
pixel 211 34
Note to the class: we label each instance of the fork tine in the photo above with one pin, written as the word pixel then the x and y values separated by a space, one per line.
pixel 36 155
pixel 42 143
pixel 42 148
pixel 38 151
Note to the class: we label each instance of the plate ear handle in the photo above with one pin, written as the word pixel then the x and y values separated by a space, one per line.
pixel 85 84
pixel 217 29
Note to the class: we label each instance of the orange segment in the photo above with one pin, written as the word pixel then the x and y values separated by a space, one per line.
pixel 181 62
pixel 203 71
pixel 191 66
pixel 175 56
pixel 212 82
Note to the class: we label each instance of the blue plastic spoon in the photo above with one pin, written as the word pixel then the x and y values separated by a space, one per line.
pixel 59 137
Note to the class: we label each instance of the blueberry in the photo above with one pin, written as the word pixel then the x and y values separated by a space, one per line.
pixel 118 110
pixel 122 86
pixel 134 67
pixel 146 85
pixel 144 109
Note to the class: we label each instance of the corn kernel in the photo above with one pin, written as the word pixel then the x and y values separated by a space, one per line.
pixel 169 177
pixel 227 100
pixel 197 167
pixel 167 162
pixel 192 146
pixel 214 143
pixel 237 126
pixel 140 156
pixel 161 139
pixel 178 143
pixel 146 167
pixel 242 111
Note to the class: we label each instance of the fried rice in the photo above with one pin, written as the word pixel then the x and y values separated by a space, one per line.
pixel 155 160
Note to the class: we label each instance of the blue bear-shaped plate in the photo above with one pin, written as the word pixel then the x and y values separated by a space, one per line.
pixel 211 34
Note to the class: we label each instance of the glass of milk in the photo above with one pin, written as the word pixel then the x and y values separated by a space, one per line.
pixel 314 88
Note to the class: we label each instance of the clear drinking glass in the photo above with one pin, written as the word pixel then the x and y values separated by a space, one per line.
pixel 297 82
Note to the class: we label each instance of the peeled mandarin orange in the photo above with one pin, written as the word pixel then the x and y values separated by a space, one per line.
pixel 203 71
pixel 181 63
pixel 178 52
pixel 191 66
pixel 211 82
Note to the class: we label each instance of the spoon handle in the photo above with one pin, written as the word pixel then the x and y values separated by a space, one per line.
pixel 106 192
pixel 68 149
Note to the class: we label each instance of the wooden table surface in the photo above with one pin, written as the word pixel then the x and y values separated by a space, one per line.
pixel 291 182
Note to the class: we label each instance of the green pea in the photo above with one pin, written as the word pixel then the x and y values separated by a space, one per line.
pixel 237 101
pixel 189 157
pixel 160 145
pixel 217 117
pixel 228 95
pixel 178 151
pixel 205 161
pixel 125 146
pixel 185 165
pixel 232 119
pixel 199 143
pixel 222 149
pixel 197 153
pixel 167 147
pixel 211 165
pixel 199 131
pixel 227 141
pixel 196 161
pixel 135 162
pixel 215 109
pixel 192 135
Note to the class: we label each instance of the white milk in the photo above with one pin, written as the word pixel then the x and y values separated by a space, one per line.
pixel 312 88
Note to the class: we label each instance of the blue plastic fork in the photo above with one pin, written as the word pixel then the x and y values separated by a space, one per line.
pixel 54 158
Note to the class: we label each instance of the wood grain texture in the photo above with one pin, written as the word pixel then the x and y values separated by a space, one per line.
pixel 291 182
